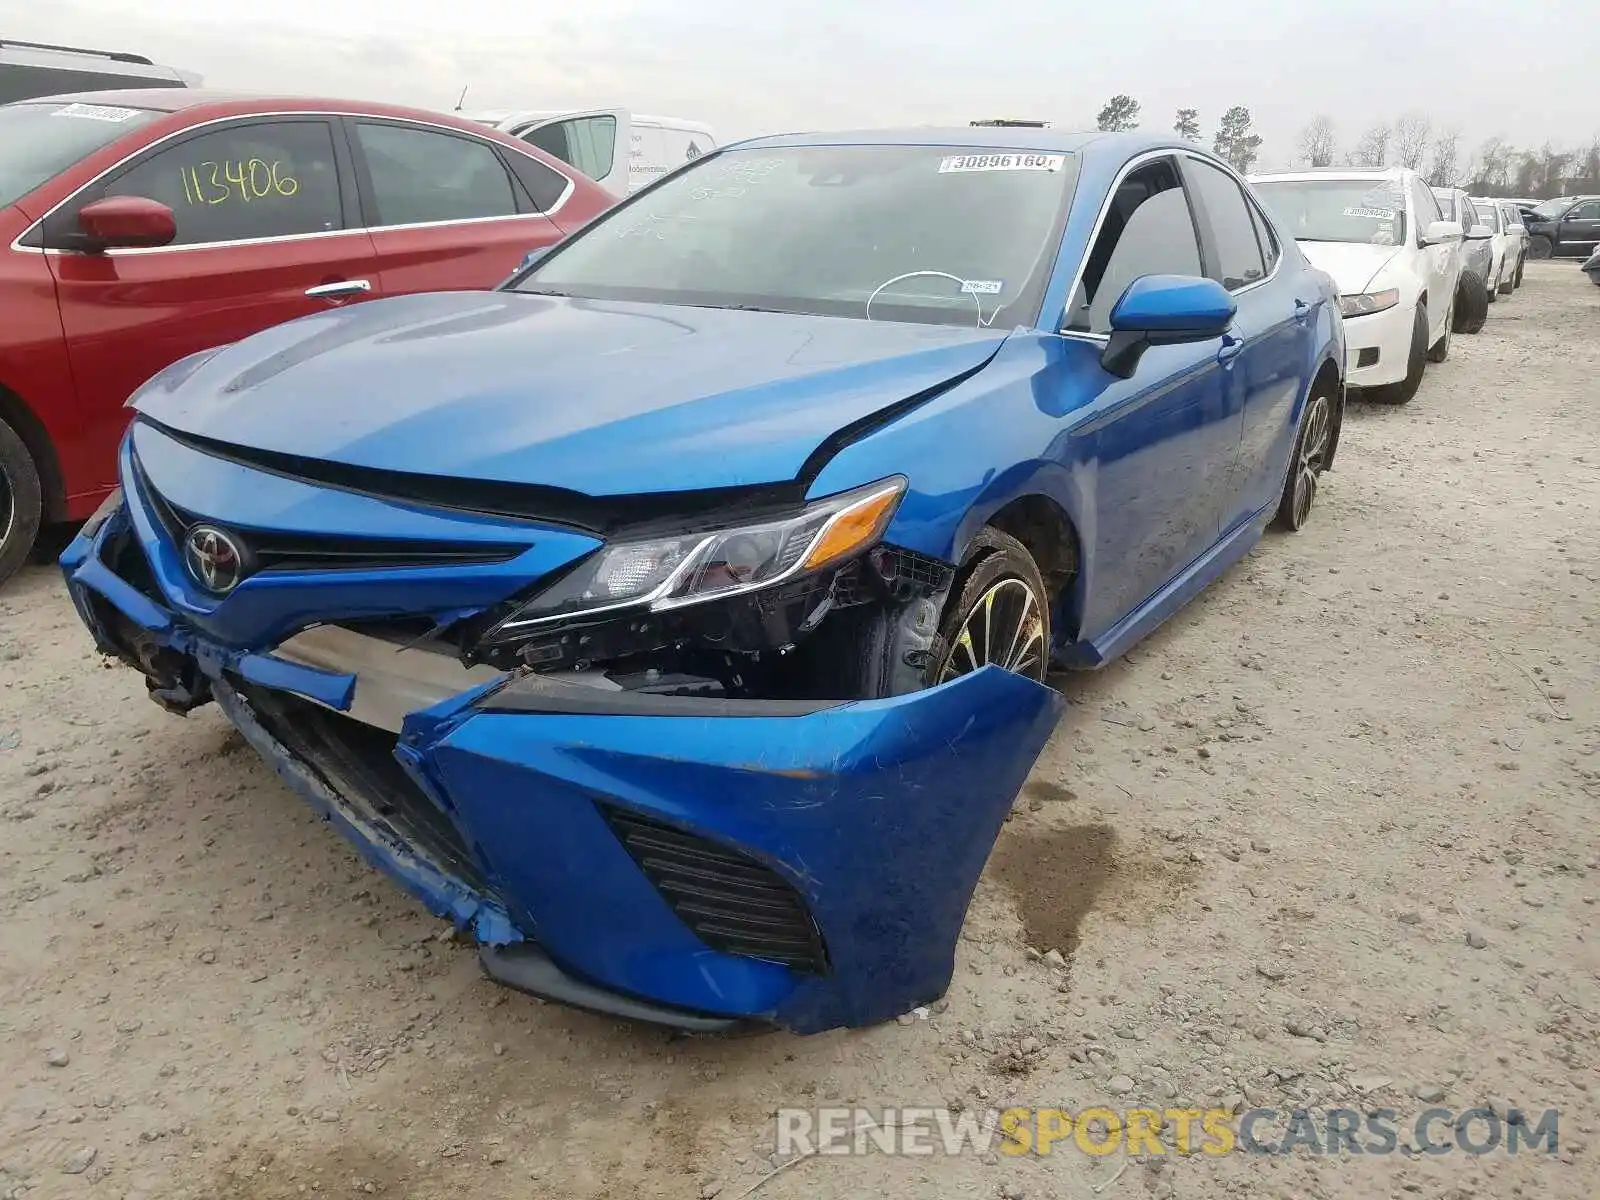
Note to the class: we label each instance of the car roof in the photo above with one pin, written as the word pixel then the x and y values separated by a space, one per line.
pixel 1096 148
pixel 81 60
pixel 1335 173
pixel 226 103
pixel 1000 138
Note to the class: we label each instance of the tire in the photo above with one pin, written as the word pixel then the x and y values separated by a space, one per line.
pixel 1313 451
pixel 1517 281
pixel 1416 363
pixel 1472 303
pixel 1508 281
pixel 1440 350
pixel 1001 606
pixel 1541 247
pixel 1491 291
pixel 21 502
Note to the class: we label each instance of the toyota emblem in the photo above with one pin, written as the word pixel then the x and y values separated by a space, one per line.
pixel 214 559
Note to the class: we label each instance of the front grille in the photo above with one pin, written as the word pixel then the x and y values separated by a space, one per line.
pixel 357 762
pixel 732 902
pixel 275 551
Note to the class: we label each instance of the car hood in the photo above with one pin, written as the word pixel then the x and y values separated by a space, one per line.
pixel 1353 265
pixel 598 397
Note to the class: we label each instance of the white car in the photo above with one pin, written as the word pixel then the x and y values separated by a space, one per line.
pixel 1503 270
pixel 622 151
pixel 1516 237
pixel 1394 258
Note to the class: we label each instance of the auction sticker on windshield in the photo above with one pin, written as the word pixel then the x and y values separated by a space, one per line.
pixel 95 112
pixel 1376 214
pixel 957 163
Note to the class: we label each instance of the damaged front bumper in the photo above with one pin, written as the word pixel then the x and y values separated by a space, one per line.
pixel 695 861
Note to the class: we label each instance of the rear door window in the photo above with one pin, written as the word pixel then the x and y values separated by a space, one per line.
pixel 251 181
pixel 420 176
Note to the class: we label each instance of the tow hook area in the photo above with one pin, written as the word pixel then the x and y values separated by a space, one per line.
pixel 174 680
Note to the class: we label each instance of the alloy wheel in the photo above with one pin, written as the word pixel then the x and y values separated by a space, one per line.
pixel 1005 628
pixel 1313 457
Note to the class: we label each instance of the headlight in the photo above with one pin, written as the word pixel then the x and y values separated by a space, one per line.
pixel 666 573
pixel 1369 302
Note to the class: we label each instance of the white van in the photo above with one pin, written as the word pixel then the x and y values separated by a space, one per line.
pixel 619 150
pixel 32 69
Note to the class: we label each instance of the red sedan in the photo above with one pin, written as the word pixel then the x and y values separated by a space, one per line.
pixel 137 227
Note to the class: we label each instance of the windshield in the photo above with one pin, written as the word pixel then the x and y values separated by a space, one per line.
pixel 1338 210
pixel 39 141
pixel 1488 214
pixel 907 233
pixel 1552 208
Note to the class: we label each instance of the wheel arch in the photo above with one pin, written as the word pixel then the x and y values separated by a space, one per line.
pixel 15 412
pixel 1330 376
pixel 1049 533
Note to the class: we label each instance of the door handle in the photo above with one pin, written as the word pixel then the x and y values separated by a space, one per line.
pixel 1230 349
pixel 341 287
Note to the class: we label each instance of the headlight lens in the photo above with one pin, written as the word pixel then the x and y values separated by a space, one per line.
pixel 1369 302
pixel 666 573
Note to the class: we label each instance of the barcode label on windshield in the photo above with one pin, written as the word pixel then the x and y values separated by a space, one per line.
pixel 1375 214
pixel 958 163
pixel 95 112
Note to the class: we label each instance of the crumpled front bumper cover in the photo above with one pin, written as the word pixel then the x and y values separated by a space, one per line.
pixel 868 822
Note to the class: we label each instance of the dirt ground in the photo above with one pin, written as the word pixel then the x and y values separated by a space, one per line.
pixel 1326 839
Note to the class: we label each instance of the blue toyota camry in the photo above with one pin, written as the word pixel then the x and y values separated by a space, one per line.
pixel 674 617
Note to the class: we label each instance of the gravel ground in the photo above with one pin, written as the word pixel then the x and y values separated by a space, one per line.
pixel 1326 839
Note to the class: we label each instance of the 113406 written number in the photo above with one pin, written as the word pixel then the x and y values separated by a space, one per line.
pixel 220 182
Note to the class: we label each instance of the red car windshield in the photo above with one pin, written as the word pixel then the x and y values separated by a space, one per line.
pixel 40 140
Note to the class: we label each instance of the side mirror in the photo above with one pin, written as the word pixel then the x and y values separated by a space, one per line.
pixel 1439 232
pixel 1164 310
pixel 530 259
pixel 126 222
pixel 1479 233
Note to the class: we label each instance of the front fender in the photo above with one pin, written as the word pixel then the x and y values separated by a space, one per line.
pixel 997 436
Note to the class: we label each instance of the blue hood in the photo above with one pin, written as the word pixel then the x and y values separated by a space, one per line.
pixel 598 397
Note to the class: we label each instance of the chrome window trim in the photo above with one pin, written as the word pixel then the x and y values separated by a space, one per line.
pixel 1133 164
pixel 323 114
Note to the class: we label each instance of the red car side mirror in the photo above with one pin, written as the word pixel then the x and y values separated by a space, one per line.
pixel 125 222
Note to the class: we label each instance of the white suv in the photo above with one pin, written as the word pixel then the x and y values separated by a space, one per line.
pixel 1394 258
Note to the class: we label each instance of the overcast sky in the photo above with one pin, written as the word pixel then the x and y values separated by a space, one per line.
pixel 1525 72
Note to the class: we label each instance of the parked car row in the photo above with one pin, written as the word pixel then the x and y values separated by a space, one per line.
pixel 1395 256
pixel 674 618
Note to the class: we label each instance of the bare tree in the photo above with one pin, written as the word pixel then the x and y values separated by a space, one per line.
pixel 1373 148
pixel 1589 172
pixel 1446 153
pixel 1120 113
pixel 1412 135
pixel 1187 125
pixel 1495 160
pixel 1318 144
